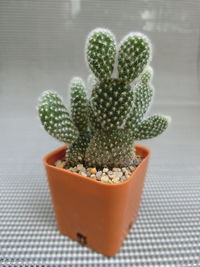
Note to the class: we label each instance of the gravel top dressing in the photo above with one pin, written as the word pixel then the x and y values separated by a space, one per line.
pixel 105 175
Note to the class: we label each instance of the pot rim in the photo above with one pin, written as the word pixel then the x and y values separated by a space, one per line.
pixel 46 158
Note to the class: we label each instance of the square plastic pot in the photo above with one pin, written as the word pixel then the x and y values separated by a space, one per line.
pixel 93 213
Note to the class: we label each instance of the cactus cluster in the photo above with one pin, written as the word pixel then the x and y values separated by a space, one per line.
pixel 101 129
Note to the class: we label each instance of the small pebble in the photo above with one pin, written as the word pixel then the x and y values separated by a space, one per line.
pixel 80 167
pixel 60 164
pixel 57 162
pixel 116 180
pixel 97 178
pixel 104 178
pixel 93 176
pixel 88 171
pixel 99 174
pixel 75 169
pixel 132 168
pixel 124 170
pixel 116 169
pixel 83 174
pixel 93 171
pixel 123 178
pixel 118 174
pixel 110 174
pixel 105 170
pixel 127 174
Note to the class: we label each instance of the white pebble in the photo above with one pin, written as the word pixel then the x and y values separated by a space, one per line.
pixel 127 174
pixel 60 164
pixel 74 169
pixel 99 174
pixel 124 169
pixel 116 169
pixel 115 180
pixel 104 178
pixel 118 174
pixel 132 168
pixel 57 163
pixel 80 167
pixel 83 174
pixel 110 174
pixel 105 170
pixel 123 178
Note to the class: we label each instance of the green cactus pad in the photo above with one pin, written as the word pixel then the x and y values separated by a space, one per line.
pixel 151 127
pixel 111 102
pixel 55 117
pixel 134 55
pixel 101 50
pixel 79 104
pixel 142 98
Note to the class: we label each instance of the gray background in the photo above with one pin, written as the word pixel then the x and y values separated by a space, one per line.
pixel 42 47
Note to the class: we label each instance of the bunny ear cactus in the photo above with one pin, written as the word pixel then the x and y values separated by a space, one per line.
pixel 103 128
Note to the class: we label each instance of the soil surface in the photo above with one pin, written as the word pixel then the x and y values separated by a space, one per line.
pixel 104 175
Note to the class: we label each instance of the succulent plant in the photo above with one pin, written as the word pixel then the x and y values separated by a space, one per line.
pixel 102 128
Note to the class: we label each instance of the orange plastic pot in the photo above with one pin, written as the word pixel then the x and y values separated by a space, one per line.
pixel 96 214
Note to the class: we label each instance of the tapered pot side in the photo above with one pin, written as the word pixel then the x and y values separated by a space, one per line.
pixel 96 214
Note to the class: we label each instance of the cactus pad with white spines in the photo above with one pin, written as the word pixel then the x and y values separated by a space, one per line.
pixel 79 104
pixel 134 55
pixel 55 118
pixel 101 51
pixel 103 128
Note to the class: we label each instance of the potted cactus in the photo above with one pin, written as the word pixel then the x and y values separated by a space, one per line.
pixel 96 179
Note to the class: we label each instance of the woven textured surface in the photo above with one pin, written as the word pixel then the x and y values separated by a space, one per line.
pixel 36 52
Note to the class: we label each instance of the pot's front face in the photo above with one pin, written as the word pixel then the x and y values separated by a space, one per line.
pixel 95 214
